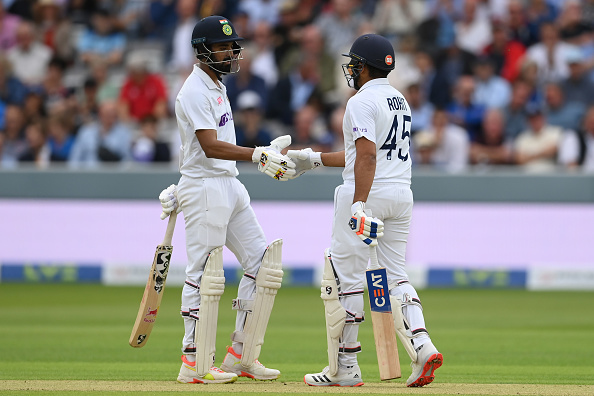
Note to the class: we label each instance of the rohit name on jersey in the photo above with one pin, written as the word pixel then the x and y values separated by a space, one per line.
pixel 396 103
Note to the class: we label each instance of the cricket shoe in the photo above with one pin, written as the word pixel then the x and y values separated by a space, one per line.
pixel 350 376
pixel 257 371
pixel 187 375
pixel 428 360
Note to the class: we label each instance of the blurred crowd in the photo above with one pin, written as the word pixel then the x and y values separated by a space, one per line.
pixel 489 82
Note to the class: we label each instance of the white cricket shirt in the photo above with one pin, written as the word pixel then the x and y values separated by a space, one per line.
pixel 379 113
pixel 200 104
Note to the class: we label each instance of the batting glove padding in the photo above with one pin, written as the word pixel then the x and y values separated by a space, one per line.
pixel 305 160
pixel 368 228
pixel 168 198
pixel 271 162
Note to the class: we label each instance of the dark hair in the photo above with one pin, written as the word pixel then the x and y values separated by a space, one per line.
pixel 374 72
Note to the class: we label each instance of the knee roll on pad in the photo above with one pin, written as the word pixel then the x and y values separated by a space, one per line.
pixel 268 281
pixel 212 287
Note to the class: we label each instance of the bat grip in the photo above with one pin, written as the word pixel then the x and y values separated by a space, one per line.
pixel 170 227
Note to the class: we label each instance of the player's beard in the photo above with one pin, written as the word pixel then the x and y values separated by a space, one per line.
pixel 356 82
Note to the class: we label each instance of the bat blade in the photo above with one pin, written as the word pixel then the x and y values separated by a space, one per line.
pixel 151 299
pixel 153 292
pixel 383 324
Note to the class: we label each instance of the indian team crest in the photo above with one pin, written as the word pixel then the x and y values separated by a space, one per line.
pixel 227 30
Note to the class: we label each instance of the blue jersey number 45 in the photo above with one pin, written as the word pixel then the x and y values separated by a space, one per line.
pixel 390 143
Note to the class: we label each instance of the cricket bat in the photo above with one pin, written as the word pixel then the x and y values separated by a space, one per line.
pixel 153 292
pixel 383 322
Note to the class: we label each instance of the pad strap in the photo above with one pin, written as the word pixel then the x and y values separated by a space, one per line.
pixel 349 347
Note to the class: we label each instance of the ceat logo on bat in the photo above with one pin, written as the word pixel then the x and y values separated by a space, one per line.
pixel 379 295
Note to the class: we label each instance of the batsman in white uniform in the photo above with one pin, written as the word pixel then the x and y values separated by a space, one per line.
pixel 377 178
pixel 217 212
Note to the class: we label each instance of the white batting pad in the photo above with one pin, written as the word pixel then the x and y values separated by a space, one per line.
pixel 212 287
pixel 268 281
pixel 334 312
pixel 400 329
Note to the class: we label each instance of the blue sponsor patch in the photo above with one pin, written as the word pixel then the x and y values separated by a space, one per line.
pixel 379 294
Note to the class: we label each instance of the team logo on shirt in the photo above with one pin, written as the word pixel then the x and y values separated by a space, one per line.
pixel 225 118
pixel 389 60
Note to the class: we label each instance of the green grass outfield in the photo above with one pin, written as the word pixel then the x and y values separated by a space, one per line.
pixel 70 339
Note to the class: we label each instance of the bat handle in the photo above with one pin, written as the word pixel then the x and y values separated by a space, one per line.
pixel 170 227
pixel 373 251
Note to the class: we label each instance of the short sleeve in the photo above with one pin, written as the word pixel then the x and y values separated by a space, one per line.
pixel 198 111
pixel 362 118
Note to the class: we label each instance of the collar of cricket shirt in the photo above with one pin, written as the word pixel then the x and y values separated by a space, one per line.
pixel 205 77
pixel 375 81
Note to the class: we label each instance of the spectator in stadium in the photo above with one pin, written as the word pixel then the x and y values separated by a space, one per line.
pixel 311 43
pixel 578 87
pixel 60 137
pixel 567 115
pixel 295 91
pixel 571 24
pixel 451 63
pixel 310 130
pixel 13 132
pixel 249 131
pixel 8 28
pixel 245 80
pixel 442 145
pixel 398 19
pixel 515 113
pixel 55 29
pixel 143 93
pixel 516 21
pixel 148 147
pixel 577 147
pixel 29 58
pixel 464 111
pixel 182 55
pixel 260 11
pixel 421 111
pixel 100 40
pixel 505 52
pixel 491 146
pixel 335 128
pixel 262 51
pixel 535 149
pixel 539 12
pixel 12 91
pixel 37 150
pixel 473 30
pixel 33 107
pixel 405 55
pixel 551 54
pixel 106 140
pixel 340 25
pixel 491 91
pixel 88 103
pixel 107 89
pixel 52 87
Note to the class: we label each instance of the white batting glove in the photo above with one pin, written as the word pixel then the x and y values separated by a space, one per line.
pixel 368 228
pixel 169 203
pixel 271 162
pixel 305 160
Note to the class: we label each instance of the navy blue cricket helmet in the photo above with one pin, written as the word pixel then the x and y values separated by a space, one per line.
pixel 211 30
pixel 369 49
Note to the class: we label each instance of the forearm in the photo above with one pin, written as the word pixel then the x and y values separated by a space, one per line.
pixel 228 151
pixel 335 159
pixel 364 174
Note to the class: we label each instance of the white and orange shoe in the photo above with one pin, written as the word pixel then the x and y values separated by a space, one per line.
pixel 187 374
pixel 423 370
pixel 257 371
pixel 350 376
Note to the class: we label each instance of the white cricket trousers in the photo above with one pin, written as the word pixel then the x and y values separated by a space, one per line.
pixel 217 212
pixel 392 203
